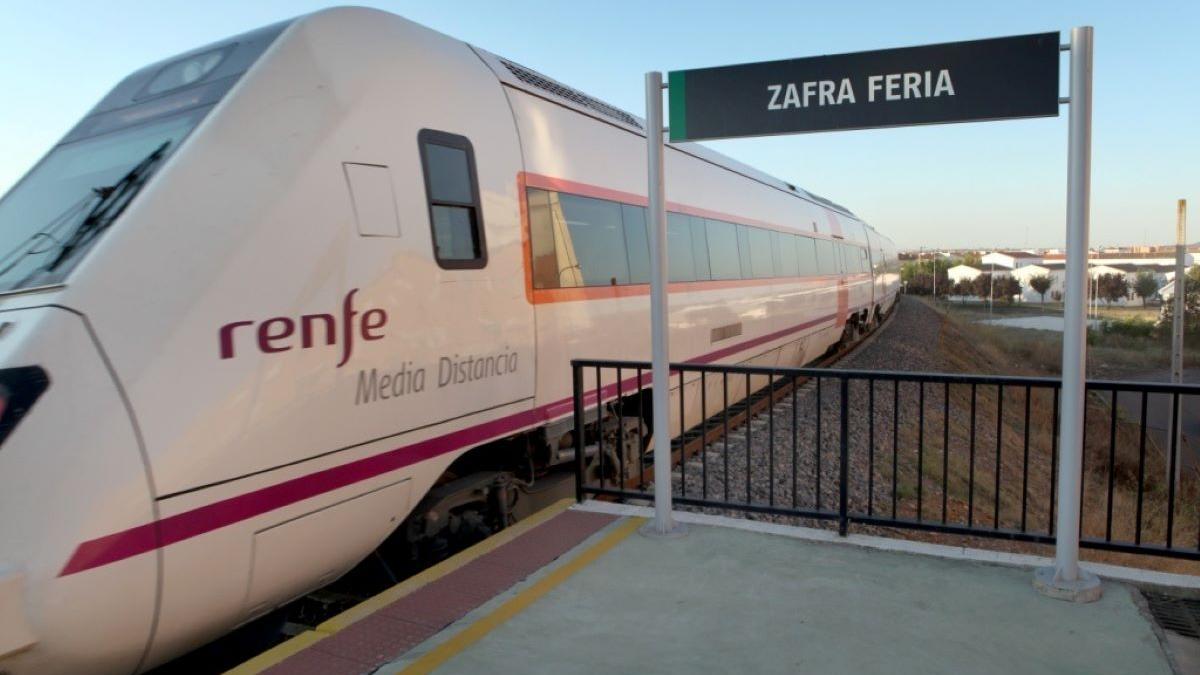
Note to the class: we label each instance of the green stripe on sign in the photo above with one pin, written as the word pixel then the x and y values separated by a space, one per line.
pixel 677 99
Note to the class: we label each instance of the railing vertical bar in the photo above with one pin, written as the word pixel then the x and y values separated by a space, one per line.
pixel 871 447
pixel 725 436
pixel 577 395
pixel 1137 530
pixel 1025 463
pixel 818 447
pixel 795 447
pixel 771 439
pixel 749 493
pixel 945 450
pixel 999 447
pixel 1083 462
pixel 600 426
pixel 1053 459
pixel 1112 465
pixel 703 435
pixel 620 433
pixel 641 449
pixel 1171 475
pixel 971 468
pixel 920 449
pixel 682 439
pixel 844 464
pixel 895 439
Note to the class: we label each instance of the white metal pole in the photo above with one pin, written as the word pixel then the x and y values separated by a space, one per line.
pixel 1067 580
pixel 656 219
pixel 1175 427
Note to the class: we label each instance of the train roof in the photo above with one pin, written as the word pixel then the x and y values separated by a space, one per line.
pixel 543 86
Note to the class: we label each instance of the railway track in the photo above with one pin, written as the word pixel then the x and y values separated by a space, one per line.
pixel 715 427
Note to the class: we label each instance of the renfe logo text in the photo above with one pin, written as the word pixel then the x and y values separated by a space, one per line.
pixel 282 333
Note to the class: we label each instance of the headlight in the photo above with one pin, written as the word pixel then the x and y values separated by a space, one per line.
pixel 184 72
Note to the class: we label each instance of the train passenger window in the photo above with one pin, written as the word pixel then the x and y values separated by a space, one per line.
pixel 854 257
pixel 762 261
pixel 848 262
pixel 593 242
pixel 541 239
pixel 722 250
pixel 806 250
pixel 776 256
pixel 637 243
pixel 700 248
pixel 827 263
pixel 789 261
pixel 451 188
pixel 743 234
pixel 681 265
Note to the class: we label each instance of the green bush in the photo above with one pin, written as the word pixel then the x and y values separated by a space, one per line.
pixel 1132 327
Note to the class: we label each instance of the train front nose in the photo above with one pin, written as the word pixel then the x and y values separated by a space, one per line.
pixel 77 568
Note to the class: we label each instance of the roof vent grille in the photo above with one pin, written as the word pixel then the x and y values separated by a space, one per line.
pixel 535 79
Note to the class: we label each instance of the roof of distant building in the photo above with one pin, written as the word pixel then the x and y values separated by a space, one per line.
pixel 1018 254
pixel 1141 255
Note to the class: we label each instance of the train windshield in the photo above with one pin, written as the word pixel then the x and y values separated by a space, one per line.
pixel 51 217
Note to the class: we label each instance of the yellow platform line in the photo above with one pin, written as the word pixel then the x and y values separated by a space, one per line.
pixel 369 606
pixel 481 627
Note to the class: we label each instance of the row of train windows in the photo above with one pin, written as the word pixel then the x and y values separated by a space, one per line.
pixel 581 241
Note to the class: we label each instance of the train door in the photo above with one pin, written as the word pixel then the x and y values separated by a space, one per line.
pixel 481 354
pixel 874 266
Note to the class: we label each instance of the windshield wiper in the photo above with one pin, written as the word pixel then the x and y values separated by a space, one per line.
pixel 113 200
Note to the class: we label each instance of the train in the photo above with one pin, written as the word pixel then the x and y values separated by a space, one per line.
pixel 286 297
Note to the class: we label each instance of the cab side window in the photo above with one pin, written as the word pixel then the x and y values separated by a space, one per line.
pixel 452 191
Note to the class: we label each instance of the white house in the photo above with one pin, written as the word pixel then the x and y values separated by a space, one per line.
pixel 1006 261
pixel 1027 272
pixel 962 273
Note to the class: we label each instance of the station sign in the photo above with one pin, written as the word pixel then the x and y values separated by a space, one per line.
pixel 998 78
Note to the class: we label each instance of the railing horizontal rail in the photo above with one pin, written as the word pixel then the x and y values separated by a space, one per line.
pixel 959 454
pixel 902 376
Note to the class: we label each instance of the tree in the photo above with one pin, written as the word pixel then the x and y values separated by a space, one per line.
pixel 1145 285
pixel 1041 284
pixel 963 289
pixel 1191 309
pixel 981 286
pixel 919 275
pixel 973 259
pixel 1112 287
pixel 1007 289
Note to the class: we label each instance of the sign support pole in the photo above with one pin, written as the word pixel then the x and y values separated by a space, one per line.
pixel 656 220
pixel 1066 580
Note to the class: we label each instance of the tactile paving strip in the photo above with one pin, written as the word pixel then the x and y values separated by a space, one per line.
pixel 398 627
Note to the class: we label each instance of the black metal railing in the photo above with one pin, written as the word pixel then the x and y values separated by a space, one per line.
pixel 959 454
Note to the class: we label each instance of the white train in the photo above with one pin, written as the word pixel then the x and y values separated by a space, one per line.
pixel 260 298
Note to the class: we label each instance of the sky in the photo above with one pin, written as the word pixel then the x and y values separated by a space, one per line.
pixel 980 185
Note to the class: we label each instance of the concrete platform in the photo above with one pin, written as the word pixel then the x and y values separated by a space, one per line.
pixel 727 599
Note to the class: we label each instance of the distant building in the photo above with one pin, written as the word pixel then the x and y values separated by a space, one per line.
pixel 962 273
pixel 1161 260
pixel 1003 262
pixel 1027 272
